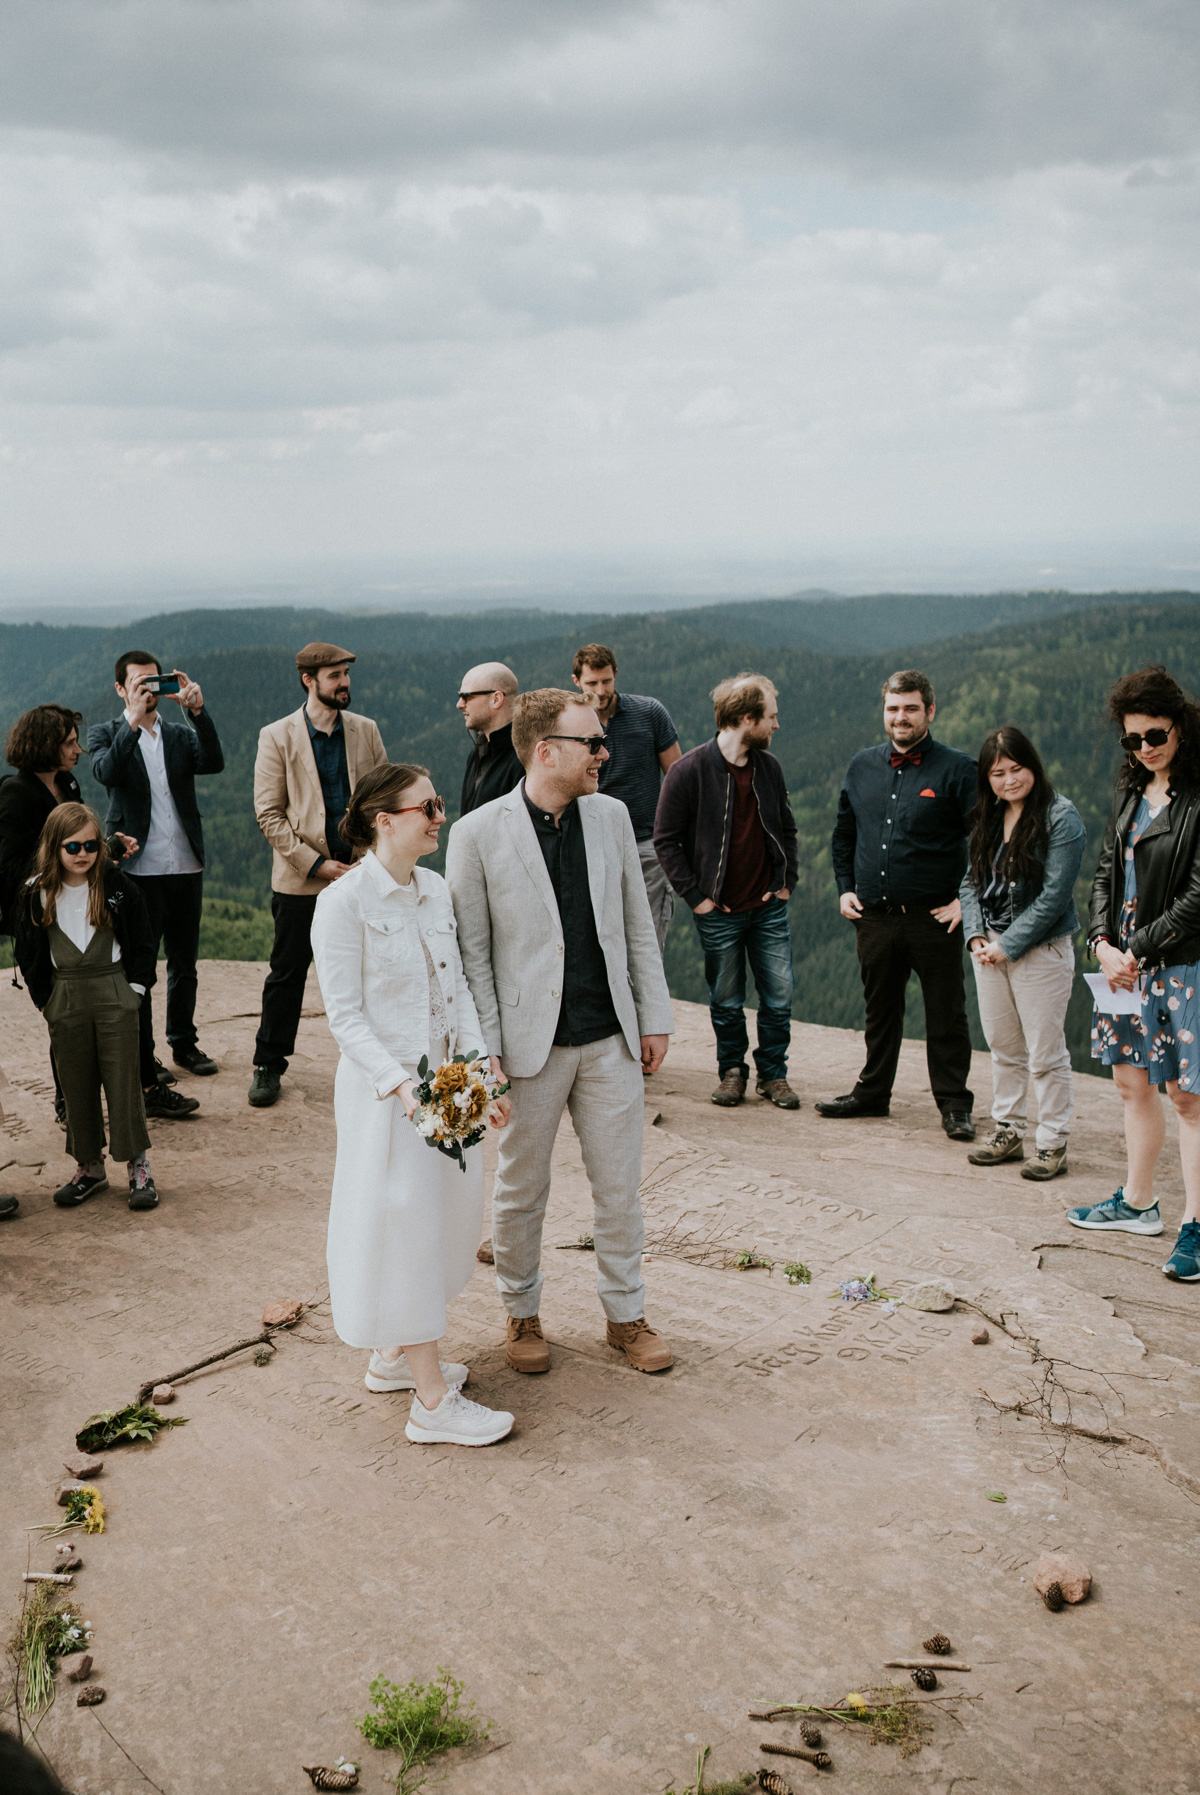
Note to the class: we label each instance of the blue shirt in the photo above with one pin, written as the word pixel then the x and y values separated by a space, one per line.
pixel 901 832
pixel 635 735
pixel 329 752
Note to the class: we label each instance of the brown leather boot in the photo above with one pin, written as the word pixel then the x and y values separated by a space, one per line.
pixel 779 1092
pixel 645 1350
pixel 730 1091
pixel 527 1350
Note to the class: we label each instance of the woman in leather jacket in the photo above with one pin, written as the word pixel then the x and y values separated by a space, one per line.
pixel 1144 925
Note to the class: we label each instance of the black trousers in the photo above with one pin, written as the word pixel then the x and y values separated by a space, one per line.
pixel 891 946
pixel 283 991
pixel 174 902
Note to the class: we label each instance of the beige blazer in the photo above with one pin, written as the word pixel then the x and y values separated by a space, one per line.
pixel 288 802
pixel 510 933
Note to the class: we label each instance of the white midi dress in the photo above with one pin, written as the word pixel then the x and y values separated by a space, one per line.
pixel 404 1220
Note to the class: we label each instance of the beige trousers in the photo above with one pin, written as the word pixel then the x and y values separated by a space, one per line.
pixel 1023 1006
pixel 600 1085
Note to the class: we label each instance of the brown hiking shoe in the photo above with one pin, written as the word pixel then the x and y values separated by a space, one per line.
pixel 730 1091
pixel 645 1350
pixel 779 1092
pixel 527 1350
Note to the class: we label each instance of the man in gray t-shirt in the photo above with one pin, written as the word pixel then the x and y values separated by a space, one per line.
pixel 642 743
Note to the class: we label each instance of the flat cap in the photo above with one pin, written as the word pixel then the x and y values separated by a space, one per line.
pixel 321 654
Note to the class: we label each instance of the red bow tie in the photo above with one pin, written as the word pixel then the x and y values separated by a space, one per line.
pixel 910 759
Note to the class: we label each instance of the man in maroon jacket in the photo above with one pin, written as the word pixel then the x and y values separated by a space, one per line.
pixel 726 837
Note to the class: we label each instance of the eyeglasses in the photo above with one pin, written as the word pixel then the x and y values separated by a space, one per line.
pixel 593 743
pixel 1153 738
pixel 485 693
pixel 81 847
pixel 433 807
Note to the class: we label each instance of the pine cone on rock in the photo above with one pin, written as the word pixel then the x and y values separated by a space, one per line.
pixel 90 1696
pixel 937 1645
pixel 810 1732
pixel 924 1678
pixel 773 1783
pixel 1053 1597
pixel 322 1777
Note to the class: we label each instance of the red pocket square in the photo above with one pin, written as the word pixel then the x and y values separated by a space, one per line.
pixel 928 792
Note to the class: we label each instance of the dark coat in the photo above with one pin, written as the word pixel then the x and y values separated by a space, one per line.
pixel 25 803
pixel 1168 880
pixel 694 821
pixel 131 925
pixel 498 767
pixel 117 763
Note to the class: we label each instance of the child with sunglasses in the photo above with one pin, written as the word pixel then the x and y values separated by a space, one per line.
pixel 1145 924
pixel 86 949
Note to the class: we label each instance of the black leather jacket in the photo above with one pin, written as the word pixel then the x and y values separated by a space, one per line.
pixel 1168 880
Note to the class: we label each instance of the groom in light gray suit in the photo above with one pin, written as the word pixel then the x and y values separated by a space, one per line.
pixel 559 950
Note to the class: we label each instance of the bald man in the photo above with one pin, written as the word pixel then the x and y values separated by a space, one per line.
pixel 486 702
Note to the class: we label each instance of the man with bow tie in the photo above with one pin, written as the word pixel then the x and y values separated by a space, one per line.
pixel 899 853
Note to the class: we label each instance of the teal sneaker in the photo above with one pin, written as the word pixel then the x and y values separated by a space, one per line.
pixel 1117 1213
pixel 1184 1262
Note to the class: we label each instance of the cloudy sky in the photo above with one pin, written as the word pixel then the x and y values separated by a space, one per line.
pixel 765 292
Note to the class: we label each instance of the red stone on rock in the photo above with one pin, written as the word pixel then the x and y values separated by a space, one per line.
pixel 282 1315
pixel 1069 1572
pixel 64 1492
pixel 82 1464
pixel 75 1666
pixel 161 1394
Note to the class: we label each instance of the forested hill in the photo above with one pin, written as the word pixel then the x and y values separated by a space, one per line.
pixel 1049 675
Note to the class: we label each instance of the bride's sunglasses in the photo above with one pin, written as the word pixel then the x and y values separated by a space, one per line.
pixel 1153 738
pixel 433 808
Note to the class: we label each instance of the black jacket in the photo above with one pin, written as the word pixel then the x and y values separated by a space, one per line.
pixel 1168 880
pixel 494 761
pixel 131 925
pixel 25 803
pixel 900 836
pixel 694 821
pixel 117 763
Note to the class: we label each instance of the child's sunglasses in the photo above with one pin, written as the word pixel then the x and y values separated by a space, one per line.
pixel 81 847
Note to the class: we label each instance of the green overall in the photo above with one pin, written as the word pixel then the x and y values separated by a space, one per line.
pixel 92 1014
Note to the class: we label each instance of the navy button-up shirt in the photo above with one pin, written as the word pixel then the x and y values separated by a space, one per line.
pixel 901 832
pixel 329 752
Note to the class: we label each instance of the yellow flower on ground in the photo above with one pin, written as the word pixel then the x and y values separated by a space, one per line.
pixel 854 1700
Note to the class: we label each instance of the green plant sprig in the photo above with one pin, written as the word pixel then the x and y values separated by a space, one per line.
pixel 121 1427
pixel 420 1721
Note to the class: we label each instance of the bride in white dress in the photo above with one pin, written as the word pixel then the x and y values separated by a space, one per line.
pixel 405 1220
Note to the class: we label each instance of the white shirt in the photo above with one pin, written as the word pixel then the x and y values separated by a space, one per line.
pixel 166 848
pixel 71 914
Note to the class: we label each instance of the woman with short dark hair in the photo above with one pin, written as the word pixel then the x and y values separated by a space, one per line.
pixel 1144 929
pixel 43 746
pixel 1024 852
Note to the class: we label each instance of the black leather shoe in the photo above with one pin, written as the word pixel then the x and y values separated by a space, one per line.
pixel 194 1059
pixel 9 1206
pixel 265 1089
pixel 958 1124
pixel 850 1105
pixel 168 1105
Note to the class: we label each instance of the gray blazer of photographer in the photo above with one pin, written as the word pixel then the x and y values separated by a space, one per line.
pixel 510 934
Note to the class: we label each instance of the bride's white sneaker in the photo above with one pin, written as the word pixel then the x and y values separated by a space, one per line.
pixel 456 1421
pixel 393 1374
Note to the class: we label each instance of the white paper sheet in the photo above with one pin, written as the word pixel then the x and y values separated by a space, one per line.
pixel 1113 1003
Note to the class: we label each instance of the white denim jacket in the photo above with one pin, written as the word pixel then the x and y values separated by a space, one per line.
pixel 367 946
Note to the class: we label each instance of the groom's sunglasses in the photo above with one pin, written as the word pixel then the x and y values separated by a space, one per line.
pixel 1153 738
pixel 593 743
pixel 81 847
pixel 433 808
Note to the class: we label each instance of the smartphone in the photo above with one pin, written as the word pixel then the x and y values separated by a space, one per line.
pixel 162 684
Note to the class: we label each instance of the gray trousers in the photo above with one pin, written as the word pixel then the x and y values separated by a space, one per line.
pixel 601 1087
pixel 658 889
pixel 1022 1006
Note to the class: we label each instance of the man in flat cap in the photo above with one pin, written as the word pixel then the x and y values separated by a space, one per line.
pixel 308 764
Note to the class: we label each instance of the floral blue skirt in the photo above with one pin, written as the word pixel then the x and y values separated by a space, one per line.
pixel 1163 1039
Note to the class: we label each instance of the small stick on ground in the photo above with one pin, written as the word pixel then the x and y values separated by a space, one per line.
pixel 263 1339
pixel 923 1664
pixel 821 1759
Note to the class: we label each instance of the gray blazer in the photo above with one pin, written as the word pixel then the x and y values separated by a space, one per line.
pixel 510 935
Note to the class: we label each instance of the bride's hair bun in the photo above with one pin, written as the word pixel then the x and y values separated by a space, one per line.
pixel 383 788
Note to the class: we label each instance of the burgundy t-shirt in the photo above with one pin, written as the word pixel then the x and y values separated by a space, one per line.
pixel 748 868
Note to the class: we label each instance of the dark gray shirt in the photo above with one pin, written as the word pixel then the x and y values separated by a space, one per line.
pixel 586 1012
pixel 635 735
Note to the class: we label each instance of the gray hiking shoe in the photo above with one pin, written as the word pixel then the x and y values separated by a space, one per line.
pixel 1047 1162
pixel 1003 1143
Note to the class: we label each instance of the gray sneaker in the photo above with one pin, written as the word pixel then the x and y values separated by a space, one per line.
pixel 1003 1143
pixel 1047 1162
pixel 1119 1214
pixel 393 1374
pixel 456 1421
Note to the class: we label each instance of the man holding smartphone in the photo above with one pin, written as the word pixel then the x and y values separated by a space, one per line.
pixel 149 767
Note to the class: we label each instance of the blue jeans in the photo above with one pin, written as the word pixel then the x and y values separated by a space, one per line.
pixel 763 937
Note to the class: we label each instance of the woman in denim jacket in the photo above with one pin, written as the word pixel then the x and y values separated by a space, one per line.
pixel 1018 919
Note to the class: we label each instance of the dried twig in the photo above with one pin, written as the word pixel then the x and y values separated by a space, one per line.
pixel 124 1753
pixel 923 1664
pixel 227 1352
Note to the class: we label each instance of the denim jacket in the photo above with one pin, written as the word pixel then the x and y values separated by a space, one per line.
pixel 1046 914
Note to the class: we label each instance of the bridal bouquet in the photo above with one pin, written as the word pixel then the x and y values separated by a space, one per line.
pixel 453 1103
